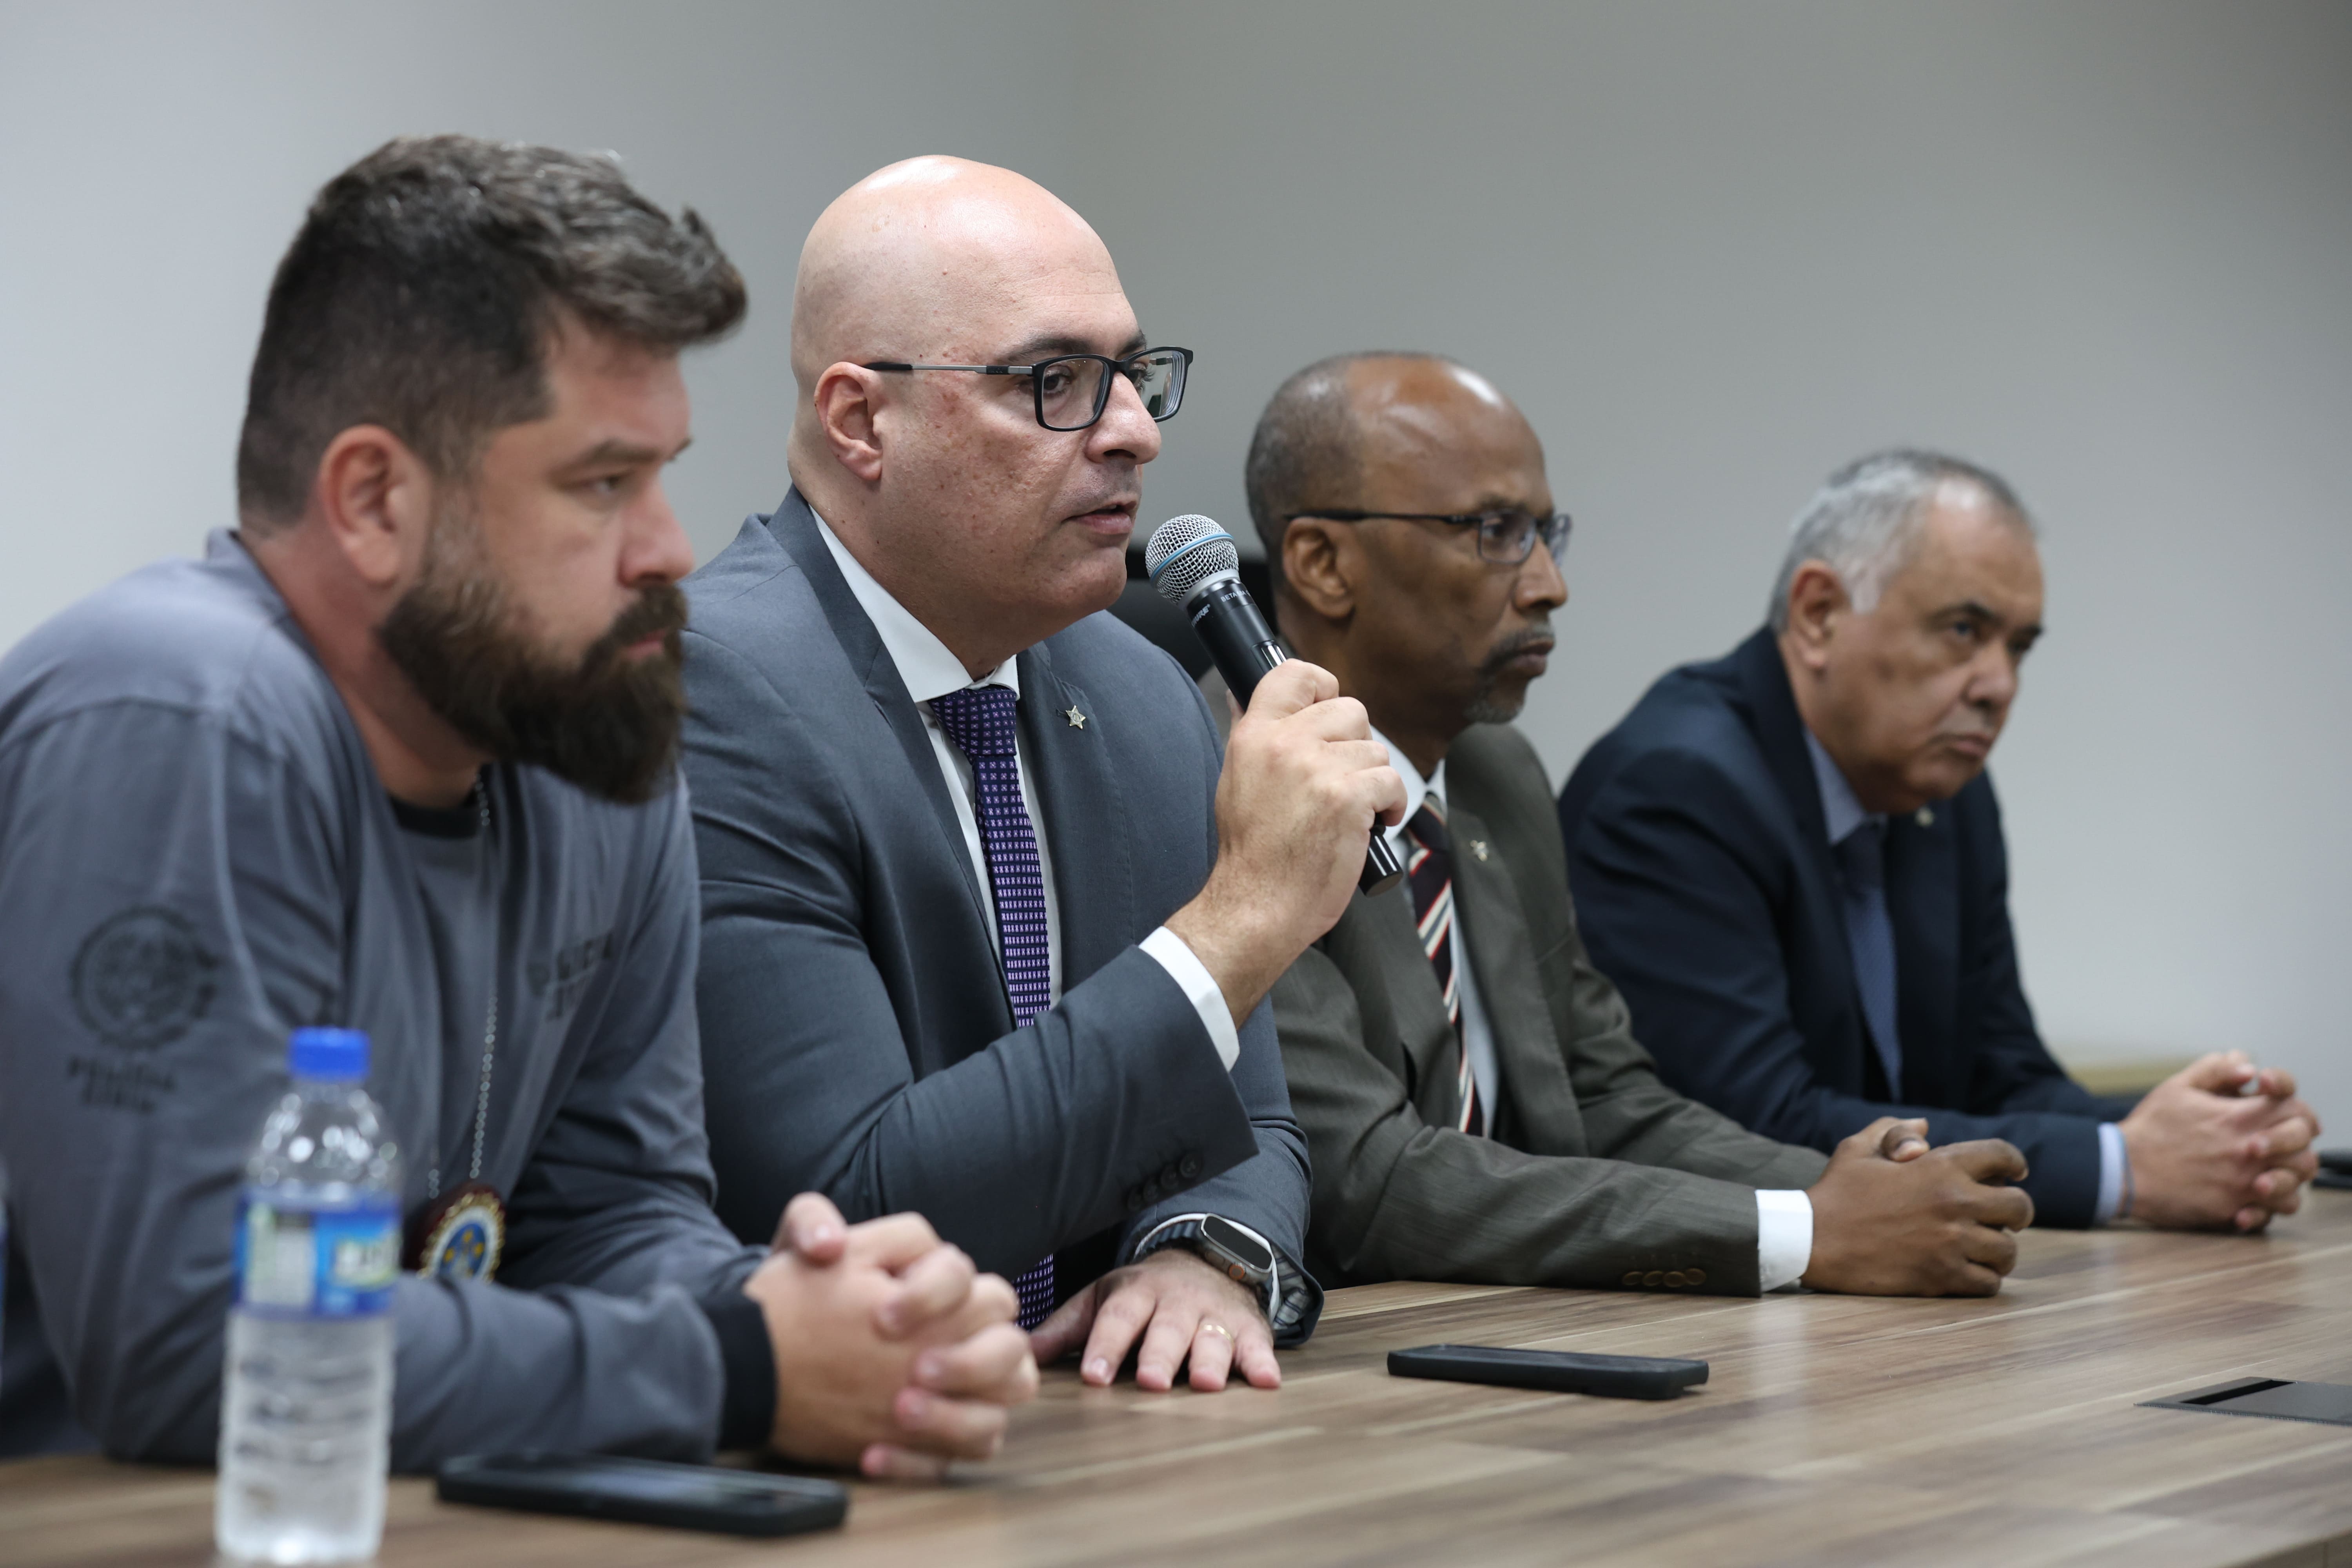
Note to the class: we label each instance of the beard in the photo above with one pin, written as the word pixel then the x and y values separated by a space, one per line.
pixel 603 722
pixel 1487 707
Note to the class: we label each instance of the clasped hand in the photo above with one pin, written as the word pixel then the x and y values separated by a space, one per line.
pixel 2220 1143
pixel 1893 1217
pixel 893 1352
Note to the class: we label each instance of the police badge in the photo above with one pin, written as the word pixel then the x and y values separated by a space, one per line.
pixel 460 1235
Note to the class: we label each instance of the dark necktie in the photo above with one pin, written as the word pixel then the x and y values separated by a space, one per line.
pixel 981 723
pixel 1870 938
pixel 1429 873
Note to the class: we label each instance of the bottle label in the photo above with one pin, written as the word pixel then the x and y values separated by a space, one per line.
pixel 298 1262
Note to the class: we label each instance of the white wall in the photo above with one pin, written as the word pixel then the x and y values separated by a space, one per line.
pixel 1713 250
pixel 156 158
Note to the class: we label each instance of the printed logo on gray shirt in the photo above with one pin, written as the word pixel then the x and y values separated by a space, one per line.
pixel 141 978
pixel 568 976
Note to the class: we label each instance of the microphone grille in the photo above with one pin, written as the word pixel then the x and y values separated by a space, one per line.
pixel 1186 551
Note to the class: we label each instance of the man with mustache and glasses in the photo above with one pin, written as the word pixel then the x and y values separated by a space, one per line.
pixel 1477 1103
pixel 986 924
pixel 397 754
pixel 1790 861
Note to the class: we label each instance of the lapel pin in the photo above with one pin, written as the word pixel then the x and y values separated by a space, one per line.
pixel 1478 847
pixel 1077 720
pixel 1927 818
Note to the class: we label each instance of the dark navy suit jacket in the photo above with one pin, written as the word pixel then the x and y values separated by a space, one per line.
pixel 1702 870
pixel 855 1034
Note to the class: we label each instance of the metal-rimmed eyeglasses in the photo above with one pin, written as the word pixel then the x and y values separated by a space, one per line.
pixel 1073 390
pixel 1506 538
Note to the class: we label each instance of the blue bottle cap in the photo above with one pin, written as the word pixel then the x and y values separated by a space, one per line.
pixel 328 1056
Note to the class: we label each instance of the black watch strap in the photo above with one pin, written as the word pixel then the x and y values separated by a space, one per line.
pixel 1291 1298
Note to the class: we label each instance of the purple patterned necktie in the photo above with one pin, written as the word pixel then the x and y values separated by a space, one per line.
pixel 980 721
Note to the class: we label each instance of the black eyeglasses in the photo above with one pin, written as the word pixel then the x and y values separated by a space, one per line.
pixel 1505 538
pixel 1073 390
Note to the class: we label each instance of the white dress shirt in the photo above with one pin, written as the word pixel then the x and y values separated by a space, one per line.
pixel 1842 812
pixel 930 670
pixel 1784 1219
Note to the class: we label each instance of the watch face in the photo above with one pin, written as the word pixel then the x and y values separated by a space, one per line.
pixel 1238 1244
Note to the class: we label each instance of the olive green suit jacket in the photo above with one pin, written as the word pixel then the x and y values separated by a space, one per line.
pixel 1596 1174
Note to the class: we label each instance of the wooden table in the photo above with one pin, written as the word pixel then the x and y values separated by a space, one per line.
pixel 1833 1430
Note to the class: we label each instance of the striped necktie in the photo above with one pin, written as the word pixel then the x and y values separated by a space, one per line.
pixel 1429 873
pixel 983 723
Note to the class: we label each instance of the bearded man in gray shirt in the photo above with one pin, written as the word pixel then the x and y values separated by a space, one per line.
pixel 398 755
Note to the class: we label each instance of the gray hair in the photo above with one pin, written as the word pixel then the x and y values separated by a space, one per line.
pixel 1865 521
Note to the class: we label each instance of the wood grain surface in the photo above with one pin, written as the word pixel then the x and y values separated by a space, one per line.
pixel 1833 1430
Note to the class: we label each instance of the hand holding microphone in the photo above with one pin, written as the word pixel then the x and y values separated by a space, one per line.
pixel 1304 790
pixel 1194 565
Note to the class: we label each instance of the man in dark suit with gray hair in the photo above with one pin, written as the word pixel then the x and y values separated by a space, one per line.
pixel 1477 1102
pixel 1792 860
pixel 987 927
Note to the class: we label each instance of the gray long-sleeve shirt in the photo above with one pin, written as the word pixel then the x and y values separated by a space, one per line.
pixel 195 858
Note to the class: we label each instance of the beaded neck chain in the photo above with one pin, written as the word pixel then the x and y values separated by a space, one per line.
pixel 481 793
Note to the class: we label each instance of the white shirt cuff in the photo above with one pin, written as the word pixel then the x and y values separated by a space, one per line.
pixel 1784 1238
pixel 2115 1160
pixel 1190 975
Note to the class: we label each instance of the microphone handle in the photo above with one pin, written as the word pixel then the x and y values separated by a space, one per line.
pixel 1243 648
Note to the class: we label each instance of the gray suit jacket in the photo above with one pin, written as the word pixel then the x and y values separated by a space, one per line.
pixel 1596 1175
pixel 855 1032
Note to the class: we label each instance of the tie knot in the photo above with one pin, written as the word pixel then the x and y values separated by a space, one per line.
pixel 1427 826
pixel 979 720
pixel 1862 857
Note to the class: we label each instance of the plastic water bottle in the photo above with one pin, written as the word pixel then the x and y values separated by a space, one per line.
pixel 306 1398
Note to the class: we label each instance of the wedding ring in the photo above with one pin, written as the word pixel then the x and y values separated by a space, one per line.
pixel 1216 1329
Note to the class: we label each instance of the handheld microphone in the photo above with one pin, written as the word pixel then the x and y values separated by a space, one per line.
pixel 1194 565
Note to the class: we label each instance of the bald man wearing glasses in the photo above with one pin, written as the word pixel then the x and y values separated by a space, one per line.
pixel 987 924
pixel 1475 1098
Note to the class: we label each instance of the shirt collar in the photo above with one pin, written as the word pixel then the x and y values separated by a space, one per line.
pixel 1416 788
pixel 923 661
pixel 1840 809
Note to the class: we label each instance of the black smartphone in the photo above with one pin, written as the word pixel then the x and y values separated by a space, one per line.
pixel 1559 1372
pixel 645 1491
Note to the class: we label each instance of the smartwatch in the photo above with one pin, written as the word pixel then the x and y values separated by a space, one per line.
pixel 1291 1299
pixel 1239 1256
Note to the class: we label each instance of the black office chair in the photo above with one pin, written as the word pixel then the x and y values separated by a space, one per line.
pixel 1163 626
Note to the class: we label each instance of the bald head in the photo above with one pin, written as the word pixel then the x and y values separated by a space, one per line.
pixel 1420 616
pixel 1328 423
pixel 992 529
pixel 906 263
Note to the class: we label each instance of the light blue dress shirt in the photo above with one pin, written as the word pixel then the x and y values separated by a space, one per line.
pixel 1843 813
